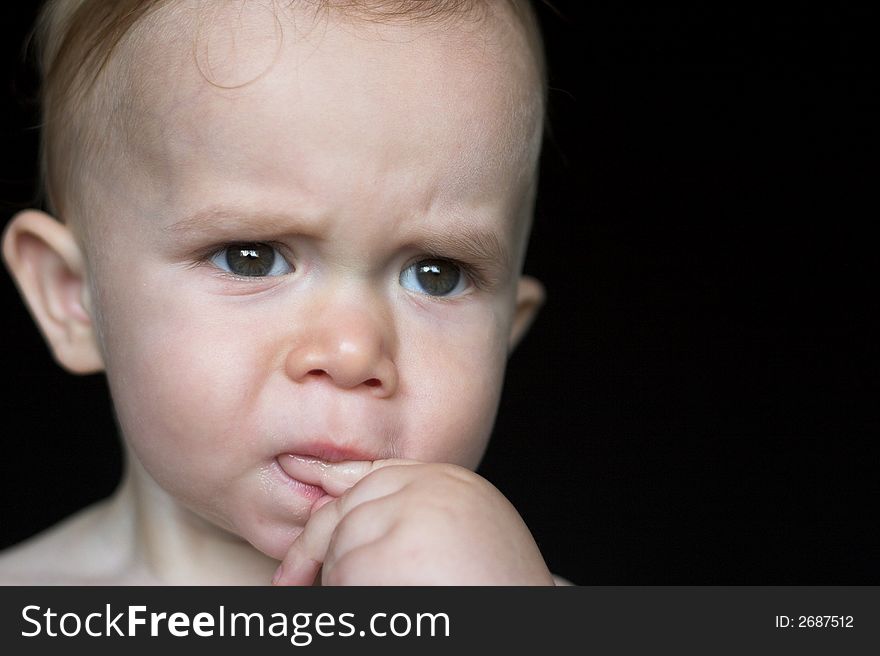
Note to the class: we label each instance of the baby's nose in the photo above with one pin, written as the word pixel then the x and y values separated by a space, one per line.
pixel 351 352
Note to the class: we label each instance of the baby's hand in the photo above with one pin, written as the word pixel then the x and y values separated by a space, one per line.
pixel 400 522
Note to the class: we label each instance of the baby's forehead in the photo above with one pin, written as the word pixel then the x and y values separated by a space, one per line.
pixel 283 79
pixel 218 49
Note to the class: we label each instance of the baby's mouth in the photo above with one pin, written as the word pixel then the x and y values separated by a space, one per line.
pixel 331 477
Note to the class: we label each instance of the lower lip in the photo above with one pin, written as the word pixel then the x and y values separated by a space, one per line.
pixel 307 490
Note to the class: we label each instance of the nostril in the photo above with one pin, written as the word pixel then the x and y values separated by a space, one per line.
pixel 370 382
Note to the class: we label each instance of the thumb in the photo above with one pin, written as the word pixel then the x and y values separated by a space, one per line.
pixel 308 552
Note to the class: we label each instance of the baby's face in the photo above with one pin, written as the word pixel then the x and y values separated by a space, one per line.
pixel 321 262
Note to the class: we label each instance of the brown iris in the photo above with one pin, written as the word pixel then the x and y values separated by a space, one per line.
pixel 250 259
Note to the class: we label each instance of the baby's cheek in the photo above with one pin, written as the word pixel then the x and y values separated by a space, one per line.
pixel 452 412
pixel 181 388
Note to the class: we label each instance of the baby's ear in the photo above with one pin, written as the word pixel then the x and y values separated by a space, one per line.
pixel 529 299
pixel 48 267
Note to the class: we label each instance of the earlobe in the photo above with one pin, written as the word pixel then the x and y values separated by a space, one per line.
pixel 529 299
pixel 49 270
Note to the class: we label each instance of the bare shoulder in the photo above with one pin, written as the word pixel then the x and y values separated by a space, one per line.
pixel 63 554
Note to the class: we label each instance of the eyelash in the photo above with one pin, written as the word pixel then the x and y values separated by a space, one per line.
pixel 477 276
pixel 205 257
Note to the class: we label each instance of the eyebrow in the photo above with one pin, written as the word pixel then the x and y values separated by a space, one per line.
pixel 481 248
pixel 226 220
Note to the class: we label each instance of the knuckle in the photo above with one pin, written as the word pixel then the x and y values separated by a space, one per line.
pixel 448 479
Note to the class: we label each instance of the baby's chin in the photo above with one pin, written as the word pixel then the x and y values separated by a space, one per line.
pixel 271 532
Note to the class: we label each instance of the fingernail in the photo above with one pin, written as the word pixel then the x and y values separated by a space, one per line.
pixel 277 575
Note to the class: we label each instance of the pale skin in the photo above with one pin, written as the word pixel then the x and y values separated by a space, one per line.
pixel 327 414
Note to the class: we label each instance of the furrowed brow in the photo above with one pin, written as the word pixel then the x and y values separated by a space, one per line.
pixel 478 247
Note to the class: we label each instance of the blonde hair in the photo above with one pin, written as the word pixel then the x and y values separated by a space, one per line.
pixel 75 41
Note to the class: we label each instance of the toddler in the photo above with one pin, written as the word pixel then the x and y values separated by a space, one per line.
pixel 291 235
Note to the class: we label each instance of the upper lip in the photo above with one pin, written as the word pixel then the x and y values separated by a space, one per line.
pixel 329 452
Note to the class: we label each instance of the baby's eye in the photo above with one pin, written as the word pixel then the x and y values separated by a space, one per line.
pixel 434 278
pixel 251 260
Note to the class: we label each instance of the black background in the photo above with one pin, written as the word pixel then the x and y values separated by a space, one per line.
pixel 697 403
